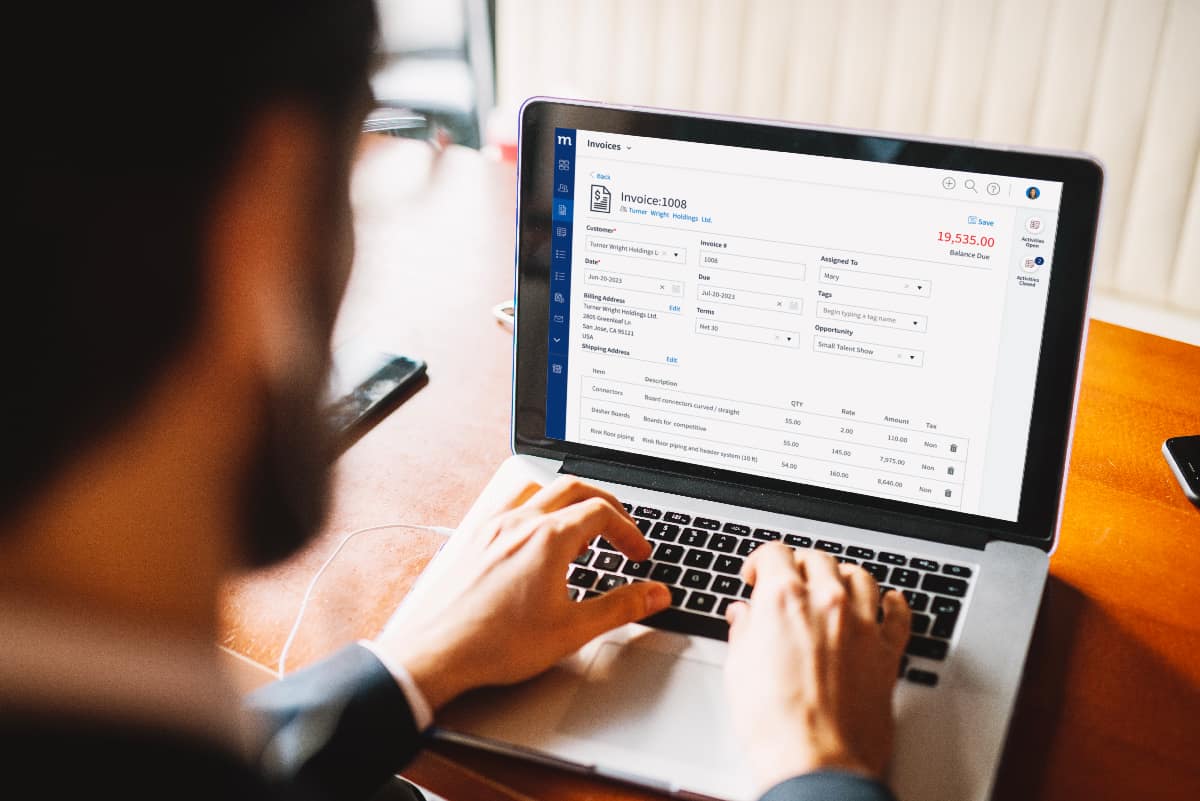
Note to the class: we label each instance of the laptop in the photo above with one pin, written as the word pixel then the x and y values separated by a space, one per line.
pixel 861 343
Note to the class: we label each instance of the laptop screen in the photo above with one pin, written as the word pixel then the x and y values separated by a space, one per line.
pixel 857 325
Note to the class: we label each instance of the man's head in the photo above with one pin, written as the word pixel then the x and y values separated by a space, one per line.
pixel 181 187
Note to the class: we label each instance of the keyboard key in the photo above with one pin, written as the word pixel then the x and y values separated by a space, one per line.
pixel 637 569
pixel 608 561
pixel 944 625
pixel 628 507
pixel 643 525
pixel 766 534
pixel 920 623
pixel 930 649
pixel 696 580
pixel 667 574
pixel 918 601
pixel 723 606
pixel 730 565
pixel 666 532
pixel 605 544
pixel 589 595
pixel 698 558
pixel 798 540
pixel 829 547
pixel 646 511
pixel 956 570
pixel 677 595
pixel 705 522
pixel 860 553
pixel 584 557
pixel 582 577
pixel 903 664
pixel 878 572
pixel 666 552
pixel 945 606
pixel 944 585
pixel 736 528
pixel 923 564
pixel 922 677
pixel 575 593
pixel 694 537
pixel 727 585
pixel 903 577
pixel 677 517
pixel 892 558
pixel 701 602
pixel 884 590
pixel 723 543
pixel 611 583
pixel 845 560
pixel 746 590
pixel 748 547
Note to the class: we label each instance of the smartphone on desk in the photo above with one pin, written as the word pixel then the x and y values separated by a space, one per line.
pixel 363 390
pixel 1183 454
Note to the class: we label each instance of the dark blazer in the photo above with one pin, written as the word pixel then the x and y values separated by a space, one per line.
pixel 337 731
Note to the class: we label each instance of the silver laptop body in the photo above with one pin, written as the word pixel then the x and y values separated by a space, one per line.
pixel 646 704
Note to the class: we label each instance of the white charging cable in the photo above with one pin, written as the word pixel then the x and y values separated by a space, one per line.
pixel 287 645
pixel 505 312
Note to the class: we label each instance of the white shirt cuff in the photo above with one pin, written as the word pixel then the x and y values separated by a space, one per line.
pixel 421 712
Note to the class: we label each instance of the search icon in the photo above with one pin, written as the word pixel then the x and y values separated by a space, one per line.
pixel 970 184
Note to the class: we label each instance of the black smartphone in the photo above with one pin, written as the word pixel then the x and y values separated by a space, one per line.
pixel 372 388
pixel 1183 454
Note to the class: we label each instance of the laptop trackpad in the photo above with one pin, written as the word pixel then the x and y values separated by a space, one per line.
pixel 646 700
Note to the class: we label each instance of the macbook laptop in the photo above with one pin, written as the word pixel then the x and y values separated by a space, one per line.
pixel 864 344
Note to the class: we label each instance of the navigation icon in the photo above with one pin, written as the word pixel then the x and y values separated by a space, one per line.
pixel 993 188
pixel 948 183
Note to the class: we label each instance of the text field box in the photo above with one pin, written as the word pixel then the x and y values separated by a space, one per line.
pixel 748 333
pixel 636 250
pixel 896 284
pixel 902 321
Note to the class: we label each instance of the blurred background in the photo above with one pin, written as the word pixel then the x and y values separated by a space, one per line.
pixel 1117 78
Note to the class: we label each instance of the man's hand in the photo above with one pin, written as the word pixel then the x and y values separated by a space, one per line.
pixel 503 615
pixel 810 671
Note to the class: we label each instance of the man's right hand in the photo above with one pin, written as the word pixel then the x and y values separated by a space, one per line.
pixel 811 671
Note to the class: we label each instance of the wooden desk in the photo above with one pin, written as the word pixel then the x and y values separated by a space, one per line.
pixel 1111 701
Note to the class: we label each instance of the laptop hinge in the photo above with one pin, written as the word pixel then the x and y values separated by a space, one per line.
pixel 779 502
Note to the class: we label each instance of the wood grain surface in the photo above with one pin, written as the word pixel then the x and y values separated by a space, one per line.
pixel 1110 707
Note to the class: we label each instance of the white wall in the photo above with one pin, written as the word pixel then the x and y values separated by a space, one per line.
pixel 1117 78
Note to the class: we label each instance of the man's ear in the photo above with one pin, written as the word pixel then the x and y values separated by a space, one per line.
pixel 261 228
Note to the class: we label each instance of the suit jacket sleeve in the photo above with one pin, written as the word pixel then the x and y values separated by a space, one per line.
pixel 339 728
pixel 829 785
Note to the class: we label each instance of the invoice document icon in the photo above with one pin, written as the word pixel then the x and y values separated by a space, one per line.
pixel 601 199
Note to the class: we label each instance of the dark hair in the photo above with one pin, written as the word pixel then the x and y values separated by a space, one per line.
pixel 126 118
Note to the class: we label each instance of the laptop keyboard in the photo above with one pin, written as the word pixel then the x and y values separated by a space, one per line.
pixel 700 559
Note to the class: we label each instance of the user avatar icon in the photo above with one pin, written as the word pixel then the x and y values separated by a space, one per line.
pixel 1033 193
